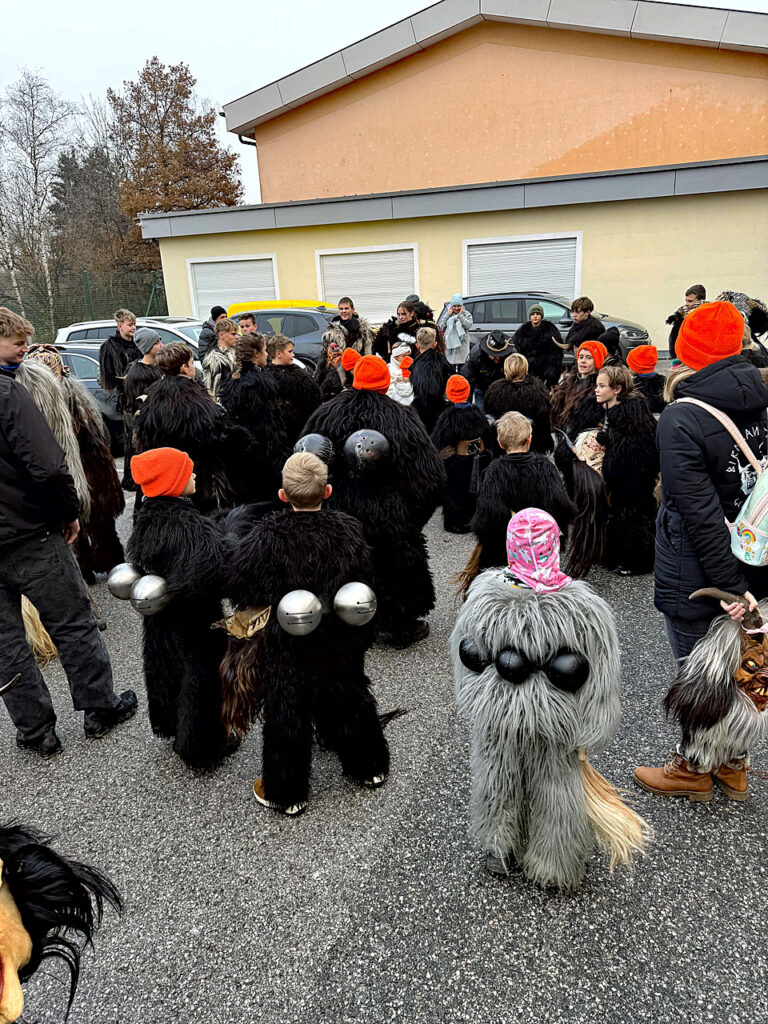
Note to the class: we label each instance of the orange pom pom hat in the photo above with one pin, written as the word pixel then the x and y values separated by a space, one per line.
pixel 711 332
pixel 349 357
pixel 643 359
pixel 162 472
pixel 372 374
pixel 457 389
pixel 597 350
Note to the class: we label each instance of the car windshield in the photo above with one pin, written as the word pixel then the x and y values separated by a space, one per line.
pixel 192 331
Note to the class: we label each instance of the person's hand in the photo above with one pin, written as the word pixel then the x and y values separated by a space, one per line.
pixel 737 610
pixel 69 531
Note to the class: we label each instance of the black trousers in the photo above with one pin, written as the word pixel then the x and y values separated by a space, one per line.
pixel 44 570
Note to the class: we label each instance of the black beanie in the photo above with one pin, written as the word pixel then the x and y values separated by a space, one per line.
pixel 218 311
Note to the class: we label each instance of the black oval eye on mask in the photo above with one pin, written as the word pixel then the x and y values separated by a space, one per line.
pixel 568 671
pixel 470 655
pixel 513 666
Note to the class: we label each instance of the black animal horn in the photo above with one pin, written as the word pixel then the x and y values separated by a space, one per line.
pixel 752 620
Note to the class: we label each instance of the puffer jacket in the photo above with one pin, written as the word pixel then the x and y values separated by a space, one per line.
pixel 705 480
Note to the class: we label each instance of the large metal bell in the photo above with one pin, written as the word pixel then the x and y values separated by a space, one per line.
pixel 149 595
pixel 299 612
pixel 366 450
pixel 355 604
pixel 122 578
pixel 316 444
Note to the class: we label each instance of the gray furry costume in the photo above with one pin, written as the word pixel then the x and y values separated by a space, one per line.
pixel 537 675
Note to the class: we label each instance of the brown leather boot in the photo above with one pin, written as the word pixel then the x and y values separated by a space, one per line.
pixel 732 781
pixel 675 779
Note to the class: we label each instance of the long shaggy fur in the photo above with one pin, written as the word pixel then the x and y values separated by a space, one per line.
pixel 587 492
pixel 182 653
pixel 37 636
pixel 456 424
pixel 298 397
pixel 530 396
pixel 253 402
pixel 537 344
pixel 429 375
pixel 297 684
pixel 528 798
pixel 719 723
pixel 54 896
pixel 574 406
pixel 651 387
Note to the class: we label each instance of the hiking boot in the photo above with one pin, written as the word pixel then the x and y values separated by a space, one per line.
pixel 46 746
pixel 732 781
pixel 292 811
pixel 98 722
pixel 675 778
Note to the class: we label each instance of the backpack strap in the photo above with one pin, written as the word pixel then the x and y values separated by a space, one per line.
pixel 730 426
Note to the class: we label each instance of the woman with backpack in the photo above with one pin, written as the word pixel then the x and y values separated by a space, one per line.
pixel 706 479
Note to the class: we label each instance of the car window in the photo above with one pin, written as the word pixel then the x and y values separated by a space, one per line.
pixel 270 323
pixel 192 331
pixel 301 324
pixel 503 311
pixel 77 335
pixel 98 333
pixel 554 311
pixel 477 309
pixel 82 367
pixel 166 336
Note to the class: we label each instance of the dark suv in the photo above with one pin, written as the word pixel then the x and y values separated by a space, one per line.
pixel 305 328
pixel 506 311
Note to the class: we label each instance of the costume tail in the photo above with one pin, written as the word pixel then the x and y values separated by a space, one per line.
pixel 240 675
pixel 464 577
pixel 587 540
pixel 43 648
pixel 621 832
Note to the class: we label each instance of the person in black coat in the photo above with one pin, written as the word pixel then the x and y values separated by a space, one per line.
pixel 403 327
pixel 574 406
pixel 585 326
pixel 429 375
pixel 463 437
pixel 694 296
pixel 485 364
pixel 182 653
pixel 298 394
pixel 541 344
pixel 705 480
pixel 207 337
pixel 116 353
pixel 642 363
pixel 393 493
pixel 520 392
pixel 630 470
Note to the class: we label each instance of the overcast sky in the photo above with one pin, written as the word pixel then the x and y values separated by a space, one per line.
pixel 231 47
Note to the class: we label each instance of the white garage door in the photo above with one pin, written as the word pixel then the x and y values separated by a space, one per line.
pixel 222 282
pixel 375 280
pixel 537 264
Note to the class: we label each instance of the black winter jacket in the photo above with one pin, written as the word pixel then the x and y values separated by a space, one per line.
pixel 588 330
pixel 540 346
pixel 114 356
pixel 705 480
pixel 481 370
pixel 36 490
pixel 206 338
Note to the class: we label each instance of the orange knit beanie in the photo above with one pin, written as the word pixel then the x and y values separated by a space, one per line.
pixel 372 374
pixel 162 472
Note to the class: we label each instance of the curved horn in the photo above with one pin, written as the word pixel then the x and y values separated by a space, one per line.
pixel 718 595
pixel 8 686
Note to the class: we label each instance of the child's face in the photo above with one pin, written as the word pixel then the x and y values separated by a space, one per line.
pixel 577 315
pixel 536 319
pixel 13 350
pixel 284 358
pixel 604 393
pixel 190 488
pixel 585 363
pixel 188 370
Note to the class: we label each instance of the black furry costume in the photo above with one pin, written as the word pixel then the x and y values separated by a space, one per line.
pixel 540 346
pixel 429 375
pixel 52 895
pixel 114 356
pixel 394 503
pixel 510 484
pixel 630 472
pixel 182 653
pixel 388 335
pixel 574 406
pixel 179 413
pixel 253 402
pixel 295 683
pixel 139 378
pixel 651 387
pixel 455 426
pixel 589 329
pixel 530 396
pixel 298 395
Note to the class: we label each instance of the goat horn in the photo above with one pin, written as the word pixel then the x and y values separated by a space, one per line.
pixel 719 595
pixel 8 686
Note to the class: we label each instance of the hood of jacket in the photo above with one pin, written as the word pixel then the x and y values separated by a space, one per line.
pixel 732 385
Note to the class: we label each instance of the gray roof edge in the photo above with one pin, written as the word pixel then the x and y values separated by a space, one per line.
pixel 456 23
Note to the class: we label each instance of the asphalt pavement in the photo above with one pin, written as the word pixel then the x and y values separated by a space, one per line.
pixel 374 906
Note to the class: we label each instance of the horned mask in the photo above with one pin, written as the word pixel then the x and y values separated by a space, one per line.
pixel 751 676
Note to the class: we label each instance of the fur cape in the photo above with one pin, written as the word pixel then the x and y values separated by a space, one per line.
pixel 458 423
pixel 298 395
pixel 179 413
pixel 253 402
pixel 574 406
pixel 50 897
pixel 388 335
pixel 530 396
pixel 138 380
pixel 651 387
pixel 510 484
pixel 588 330
pixel 541 347
pixel 182 652
pixel 359 337
pixel 300 683
pixel 114 356
pixel 533 796
pixel 630 472
pixel 429 375
pixel 219 363
pixel 393 503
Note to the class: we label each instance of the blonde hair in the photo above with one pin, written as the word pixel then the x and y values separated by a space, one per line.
pixel 515 366
pixel 426 336
pixel 676 374
pixel 125 316
pixel 225 326
pixel 513 430
pixel 12 324
pixel 618 377
pixel 305 477
pixel 278 343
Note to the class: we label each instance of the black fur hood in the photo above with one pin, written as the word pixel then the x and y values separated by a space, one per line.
pixel 460 423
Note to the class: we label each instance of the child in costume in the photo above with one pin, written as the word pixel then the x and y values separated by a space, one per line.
pixel 400 364
pixel 574 407
pixel 295 678
pixel 182 653
pixel 429 375
pixel 642 362
pixel 522 392
pixel 541 344
pixel 298 393
pixel 462 435
pixel 536 670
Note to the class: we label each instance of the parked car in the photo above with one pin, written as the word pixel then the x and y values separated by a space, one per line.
pixel 83 363
pixel 170 328
pixel 305 327
pixel 506 311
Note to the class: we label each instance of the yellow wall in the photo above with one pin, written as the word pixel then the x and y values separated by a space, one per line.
pixel 503 101
pixel 638 256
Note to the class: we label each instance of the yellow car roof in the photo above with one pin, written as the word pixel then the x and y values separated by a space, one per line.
pixel 246 307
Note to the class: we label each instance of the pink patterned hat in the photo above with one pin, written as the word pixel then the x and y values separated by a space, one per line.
pixel 533 551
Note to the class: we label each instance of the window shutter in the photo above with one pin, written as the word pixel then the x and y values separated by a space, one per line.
pixel 545 265
pixel 223 282
pixel 375 281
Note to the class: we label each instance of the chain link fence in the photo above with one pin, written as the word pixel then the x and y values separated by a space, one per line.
pixel 82 295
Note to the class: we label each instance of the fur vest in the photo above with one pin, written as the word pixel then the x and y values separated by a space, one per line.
pixel 218 364
pixel 138 380
pixel 540 346
pixel 529 396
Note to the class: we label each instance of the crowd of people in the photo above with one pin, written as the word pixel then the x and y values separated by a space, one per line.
pixel 296 500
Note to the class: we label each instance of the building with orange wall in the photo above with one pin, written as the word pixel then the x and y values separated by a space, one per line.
pixel 598 136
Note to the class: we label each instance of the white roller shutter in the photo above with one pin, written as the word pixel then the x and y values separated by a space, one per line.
pixel 375 281
pixel 221 282
pixel 542 265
